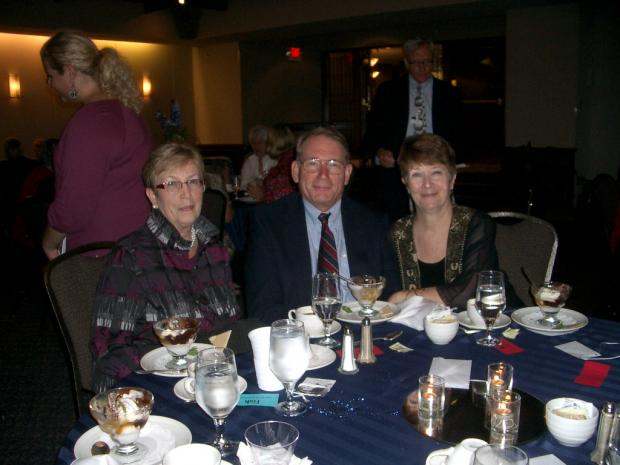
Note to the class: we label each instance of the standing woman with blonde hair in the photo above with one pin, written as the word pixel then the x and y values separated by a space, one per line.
pixel 99 192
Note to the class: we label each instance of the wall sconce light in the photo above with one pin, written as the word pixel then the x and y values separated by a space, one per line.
pixel 375 74
pixel 146 86
pixel 14 86
pixel 373 61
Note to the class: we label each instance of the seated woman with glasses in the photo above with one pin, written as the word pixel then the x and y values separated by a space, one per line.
pixel 278 183
pixel 171 266
pixel 441 246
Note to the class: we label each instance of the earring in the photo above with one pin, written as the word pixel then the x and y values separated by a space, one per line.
pixel 73 93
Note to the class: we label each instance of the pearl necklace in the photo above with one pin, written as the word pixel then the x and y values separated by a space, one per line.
pixel 193 238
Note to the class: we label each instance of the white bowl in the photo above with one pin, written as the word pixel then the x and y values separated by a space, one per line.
pixel 439 331
pixel 568 431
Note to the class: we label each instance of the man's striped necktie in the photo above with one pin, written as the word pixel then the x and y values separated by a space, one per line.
pixel 328 256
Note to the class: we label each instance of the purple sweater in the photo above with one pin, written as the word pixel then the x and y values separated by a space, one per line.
pixel 98 167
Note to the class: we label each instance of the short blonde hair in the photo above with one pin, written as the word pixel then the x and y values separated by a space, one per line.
pixel 167 156
pixel 280 139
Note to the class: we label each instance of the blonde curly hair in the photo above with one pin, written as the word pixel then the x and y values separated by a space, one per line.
pixel 111 72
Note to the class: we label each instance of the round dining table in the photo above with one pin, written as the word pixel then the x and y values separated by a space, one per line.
pixel 361 419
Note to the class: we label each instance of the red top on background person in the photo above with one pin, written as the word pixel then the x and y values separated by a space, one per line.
pixel 99 192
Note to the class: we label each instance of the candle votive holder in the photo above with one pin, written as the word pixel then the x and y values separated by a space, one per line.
pixel 499 377
pixel 431 396
pixel 505 410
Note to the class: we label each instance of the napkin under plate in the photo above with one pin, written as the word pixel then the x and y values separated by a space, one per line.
pixel 413 311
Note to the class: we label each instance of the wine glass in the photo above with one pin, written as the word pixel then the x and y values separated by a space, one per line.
pixel 500 455
pixel 289 353
pixel 366 289
pixel 217 392
pixel 177 335
pixel 490 302
pixel 122 412
pixel 550 297
pixel 326 301
pixel 236 186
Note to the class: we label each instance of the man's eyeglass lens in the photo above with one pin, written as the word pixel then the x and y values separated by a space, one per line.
pixel 313 165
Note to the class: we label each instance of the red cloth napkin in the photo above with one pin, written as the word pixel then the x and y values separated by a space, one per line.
pixel 356 351
pixel 592 374
pixel 508 348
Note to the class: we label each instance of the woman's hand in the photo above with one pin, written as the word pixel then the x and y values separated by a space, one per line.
pixel 51 242
pixel 400 296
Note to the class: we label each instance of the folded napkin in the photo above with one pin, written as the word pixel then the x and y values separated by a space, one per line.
pixel 508 348
pixel 455 372
pixel 592 374
pixel 413 311
pixel 549 459
pixel 577 349
pixel 356 351
pixel 244 454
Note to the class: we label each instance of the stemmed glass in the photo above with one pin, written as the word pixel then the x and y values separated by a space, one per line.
pixel 550 297
pixel 236 186
pixel 177 335
pixel 289 353
pixel 366 289
pixel 122 412
pixel 490 302
pixel 326 301
pixel 217 392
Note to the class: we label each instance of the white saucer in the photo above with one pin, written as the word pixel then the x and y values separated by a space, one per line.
pixel 528 318
pixel 184 394
pixel 355 318
pixel 321 357
pixel 159 435
pixel 315 333
pixel 156 359
pixel 501 322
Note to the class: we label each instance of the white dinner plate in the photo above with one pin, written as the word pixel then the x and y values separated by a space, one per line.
pixel 387 311
pixel 528 318
pixel 501 322
pixel 247 199
pixel 318 332
pixel 156 359
pixel 321 357
pixel 184 394
pixel 159 435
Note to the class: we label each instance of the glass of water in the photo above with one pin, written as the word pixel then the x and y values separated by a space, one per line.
pixel 490 302
pixel 289 353
pixel 326 301
pixel 217 392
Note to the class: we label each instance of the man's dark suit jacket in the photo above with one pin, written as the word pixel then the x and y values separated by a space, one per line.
pixel 389 117
pixel 278 267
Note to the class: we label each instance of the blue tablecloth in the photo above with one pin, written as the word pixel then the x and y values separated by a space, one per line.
pixel 360 421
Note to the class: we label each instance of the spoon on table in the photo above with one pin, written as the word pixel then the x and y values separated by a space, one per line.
pixel 387 337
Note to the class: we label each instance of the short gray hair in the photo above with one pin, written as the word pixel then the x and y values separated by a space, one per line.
pixel 330 132
pixel 412 45
pixel 170 155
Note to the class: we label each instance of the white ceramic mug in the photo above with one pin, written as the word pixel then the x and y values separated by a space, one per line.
pixel 461 454
pixel 311 321
pixel 473 314
pixel 193 454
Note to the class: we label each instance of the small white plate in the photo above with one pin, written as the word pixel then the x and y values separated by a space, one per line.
pixel 528 318
pixel 355 318
pixel 184 394
pixel 315 333
pixel 159 435
pixel 321 357
pixel 501 322
pixel 156 359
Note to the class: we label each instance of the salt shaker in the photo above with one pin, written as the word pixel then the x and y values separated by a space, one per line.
pixel 366 354
pixel 605 421
pixel 347 363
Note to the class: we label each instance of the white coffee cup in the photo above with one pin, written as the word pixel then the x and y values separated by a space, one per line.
pixel 306 315
pixel 265 378
pixel 461 454
pixel 190 382
pixel 193 454
pixel 473 314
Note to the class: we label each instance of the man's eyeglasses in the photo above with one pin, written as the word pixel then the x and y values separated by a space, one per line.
pixel 313 165
pixel 424 63
pixel 176 186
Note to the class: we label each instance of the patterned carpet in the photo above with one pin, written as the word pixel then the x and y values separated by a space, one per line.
pixel 36 408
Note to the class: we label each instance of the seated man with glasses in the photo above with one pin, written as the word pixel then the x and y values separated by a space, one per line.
pixel 317 229
pixel 416 103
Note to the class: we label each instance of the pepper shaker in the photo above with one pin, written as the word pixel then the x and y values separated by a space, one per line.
pixel 347 364
pixel 605 421
pixel 366 354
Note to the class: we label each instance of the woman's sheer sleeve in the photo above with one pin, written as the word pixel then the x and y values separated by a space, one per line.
pixel 479 254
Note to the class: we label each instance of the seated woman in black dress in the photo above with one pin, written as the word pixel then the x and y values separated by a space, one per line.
pixel 441 246
pixel 174 265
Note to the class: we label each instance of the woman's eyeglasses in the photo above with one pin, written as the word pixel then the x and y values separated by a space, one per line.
pixel 175 187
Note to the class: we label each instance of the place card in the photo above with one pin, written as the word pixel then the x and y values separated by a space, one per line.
pixel 258 400
pixel 549 459
pixel 508 348
pixel 511 333
pixel 592 374
pixel 317 387
pixel 398 347
pixel 577 349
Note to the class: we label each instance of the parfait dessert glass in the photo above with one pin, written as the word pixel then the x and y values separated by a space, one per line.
pixel 121 413
pixel 550 298
pixel 366 289
pixel 177 335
